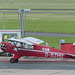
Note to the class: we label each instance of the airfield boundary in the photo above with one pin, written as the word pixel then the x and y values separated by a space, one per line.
pixel 40 20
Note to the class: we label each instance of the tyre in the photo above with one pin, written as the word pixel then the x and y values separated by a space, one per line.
pixel 12 60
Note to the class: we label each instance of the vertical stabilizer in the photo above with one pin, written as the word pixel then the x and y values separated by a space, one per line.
pixel 71 50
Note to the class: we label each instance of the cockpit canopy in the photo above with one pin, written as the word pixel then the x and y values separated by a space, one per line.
pixel 23 45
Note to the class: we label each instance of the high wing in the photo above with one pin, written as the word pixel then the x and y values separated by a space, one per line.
pixel 33 40
pixel 27 40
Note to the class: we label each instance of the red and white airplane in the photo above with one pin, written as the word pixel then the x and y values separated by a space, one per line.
pixel 29 46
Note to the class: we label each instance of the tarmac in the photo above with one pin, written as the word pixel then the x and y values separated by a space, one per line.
pixel 30 66
pixel 50 34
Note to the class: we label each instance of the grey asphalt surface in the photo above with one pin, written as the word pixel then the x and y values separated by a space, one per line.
pixel 39 65
pixel 31 64
pixel 49 34
pixel 37 68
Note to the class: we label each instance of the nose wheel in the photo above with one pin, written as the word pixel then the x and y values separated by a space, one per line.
pixel 12 60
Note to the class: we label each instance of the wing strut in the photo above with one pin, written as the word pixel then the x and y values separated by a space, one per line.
pixel 17 49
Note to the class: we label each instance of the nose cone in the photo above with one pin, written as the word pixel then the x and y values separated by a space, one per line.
pixel 3 47
pixel 7 47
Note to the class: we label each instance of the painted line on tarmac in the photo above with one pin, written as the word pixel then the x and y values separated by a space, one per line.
pixel 36 61
pixel 46 61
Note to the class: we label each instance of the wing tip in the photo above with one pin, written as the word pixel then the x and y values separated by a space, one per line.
pixel 73 43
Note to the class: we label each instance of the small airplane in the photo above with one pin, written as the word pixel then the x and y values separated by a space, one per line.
pixel 29 46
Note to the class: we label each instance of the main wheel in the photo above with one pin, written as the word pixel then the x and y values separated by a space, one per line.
pixel 12 60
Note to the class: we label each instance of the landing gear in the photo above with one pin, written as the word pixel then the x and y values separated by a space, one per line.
pixel 12 60
pixel 15 59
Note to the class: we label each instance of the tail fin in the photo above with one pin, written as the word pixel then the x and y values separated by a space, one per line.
pixel 71 50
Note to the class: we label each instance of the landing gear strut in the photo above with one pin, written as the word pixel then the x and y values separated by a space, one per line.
pixel 12 60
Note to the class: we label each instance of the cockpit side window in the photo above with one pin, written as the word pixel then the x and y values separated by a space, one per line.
pixel 23 45
pixel 29 46
pixel 17 44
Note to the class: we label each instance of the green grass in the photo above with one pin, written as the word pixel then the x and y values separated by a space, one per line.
pixel 53 23
pixel 55 41
pixel 51 26
pixel 43 4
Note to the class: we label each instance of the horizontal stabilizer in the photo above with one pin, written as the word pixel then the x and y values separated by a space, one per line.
pixel 70 55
